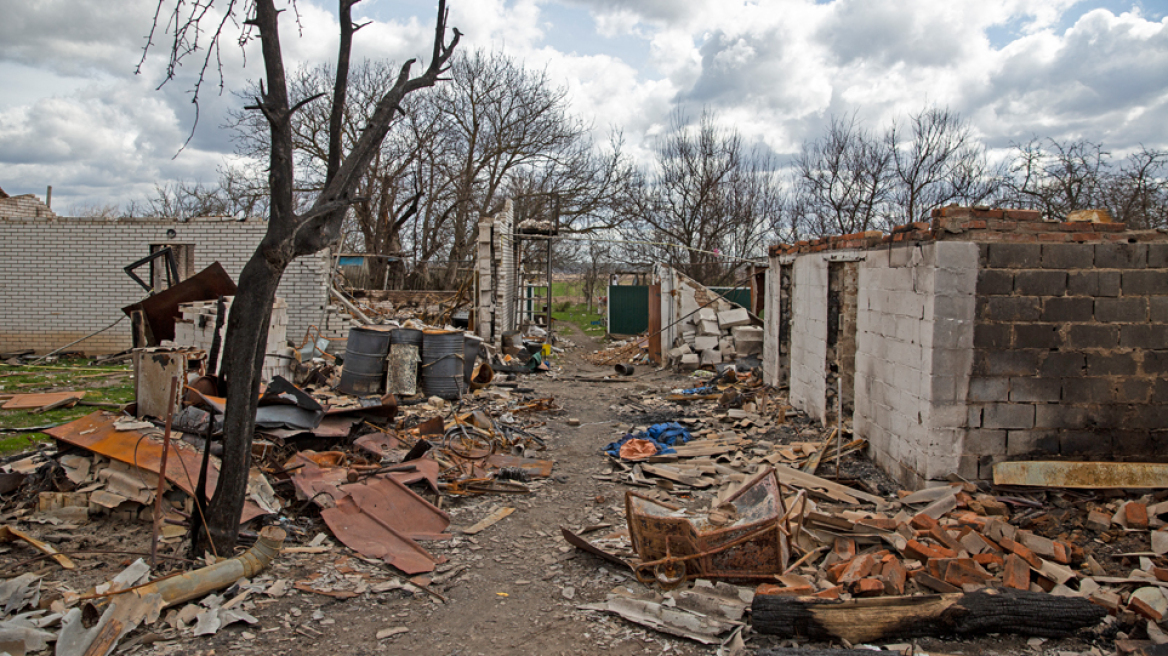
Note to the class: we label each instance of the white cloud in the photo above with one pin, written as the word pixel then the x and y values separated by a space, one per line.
pixel 73 115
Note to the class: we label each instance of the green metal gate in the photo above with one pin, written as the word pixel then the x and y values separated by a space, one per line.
pixel 739 295
pixel 628 309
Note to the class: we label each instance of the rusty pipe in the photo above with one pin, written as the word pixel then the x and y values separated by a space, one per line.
pixel 192 585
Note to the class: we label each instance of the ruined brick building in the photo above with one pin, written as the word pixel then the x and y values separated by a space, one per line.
pixel 987 335
pixel 62 278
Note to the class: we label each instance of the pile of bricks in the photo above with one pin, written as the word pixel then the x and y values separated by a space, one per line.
pixel 962 540
pixel 710 338
pixel 196 327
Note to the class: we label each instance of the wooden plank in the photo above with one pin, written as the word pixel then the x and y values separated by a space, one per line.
pixel 31 401
pixel 488 521
pixel 1083 475
pixel 839 492
pixel 8 534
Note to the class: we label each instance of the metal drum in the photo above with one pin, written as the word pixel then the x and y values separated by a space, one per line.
pixel 364 370
pixel 443 373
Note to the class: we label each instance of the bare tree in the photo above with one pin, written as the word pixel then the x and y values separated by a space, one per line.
pixel 937 162
pixel 1137 193
pixel 1057 177
pixel 708 202
pixel 843 181
pixel 290 233
pixel 238 193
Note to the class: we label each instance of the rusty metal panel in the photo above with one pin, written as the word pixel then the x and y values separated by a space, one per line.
pixel 1087 475
pixel 535 468
pixel 673 549
pixel 96 433
pixel 381 518
pixel 161 309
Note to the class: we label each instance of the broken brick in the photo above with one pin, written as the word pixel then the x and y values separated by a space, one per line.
pixel 933 583
pixel 794 591
pixel 830 593
pixel 1136 514
pixel 992 506
pixel 942 536
pixel 922 552
pixel 881 523
pixel 1062 553
pixel 1098 520
pixel 858 568
pixel 1143 609
pixel 894 576
pixel 989 560
pixel 962 571
pixel 922 522
pixel 844 548
pixel 869 587
pixel 1016 572
pixel 1021 551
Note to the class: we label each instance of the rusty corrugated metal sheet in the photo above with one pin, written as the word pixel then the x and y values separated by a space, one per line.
pixel 381 518
pixel 96 432
pixel 1086 475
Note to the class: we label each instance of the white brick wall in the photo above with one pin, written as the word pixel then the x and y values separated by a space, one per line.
pixel 772 322
pixel 62 278
pixel 914 353
pixel 808 334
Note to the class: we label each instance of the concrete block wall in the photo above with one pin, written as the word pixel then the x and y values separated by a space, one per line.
pixel 1071 353
pixel 914 352
pixel 62 278
pixel 808 383
pixel 772 363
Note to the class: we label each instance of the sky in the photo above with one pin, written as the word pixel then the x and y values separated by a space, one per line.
pixel 75 115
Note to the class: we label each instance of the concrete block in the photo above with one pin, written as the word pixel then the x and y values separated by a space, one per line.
pixel 1122 310
pixel 732 318
pixel 1040 283
pixel 1121 256
pixel 1067 256
pixel 1093 283
pixel 705 342
pixel 989 390
pixel 707 327
pixel 690 361
pixel 1037 335
pixel 1036 390
pixel 711 357
pixel 1145 283
pixel 995 282
pixel 985 442
pixel 706 314
pixel 1070 308
pixel 1014 256
pixel 1080 336
pixel 1000 415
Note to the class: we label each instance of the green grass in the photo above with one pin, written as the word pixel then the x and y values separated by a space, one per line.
pixel 579 315
pixel 62 377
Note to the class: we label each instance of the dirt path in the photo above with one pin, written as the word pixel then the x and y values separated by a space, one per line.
pixel 522 583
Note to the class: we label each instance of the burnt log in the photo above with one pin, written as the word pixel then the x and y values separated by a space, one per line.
pixel 973 613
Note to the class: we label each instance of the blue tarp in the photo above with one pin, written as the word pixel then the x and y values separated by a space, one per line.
pixel 663 436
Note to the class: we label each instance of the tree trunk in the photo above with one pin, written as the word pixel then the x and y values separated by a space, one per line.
pixel 900 618
pixel 243 358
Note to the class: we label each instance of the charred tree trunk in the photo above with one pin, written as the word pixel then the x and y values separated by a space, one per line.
pixel 896 618
pixel 290 235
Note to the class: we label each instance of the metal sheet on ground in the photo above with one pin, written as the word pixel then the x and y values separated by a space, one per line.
pixel 1085 475
pixel 96 433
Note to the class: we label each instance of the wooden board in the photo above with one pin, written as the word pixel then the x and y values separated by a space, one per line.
pixel 28 401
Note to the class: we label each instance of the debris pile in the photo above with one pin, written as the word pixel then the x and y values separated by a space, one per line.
pixel 708 338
